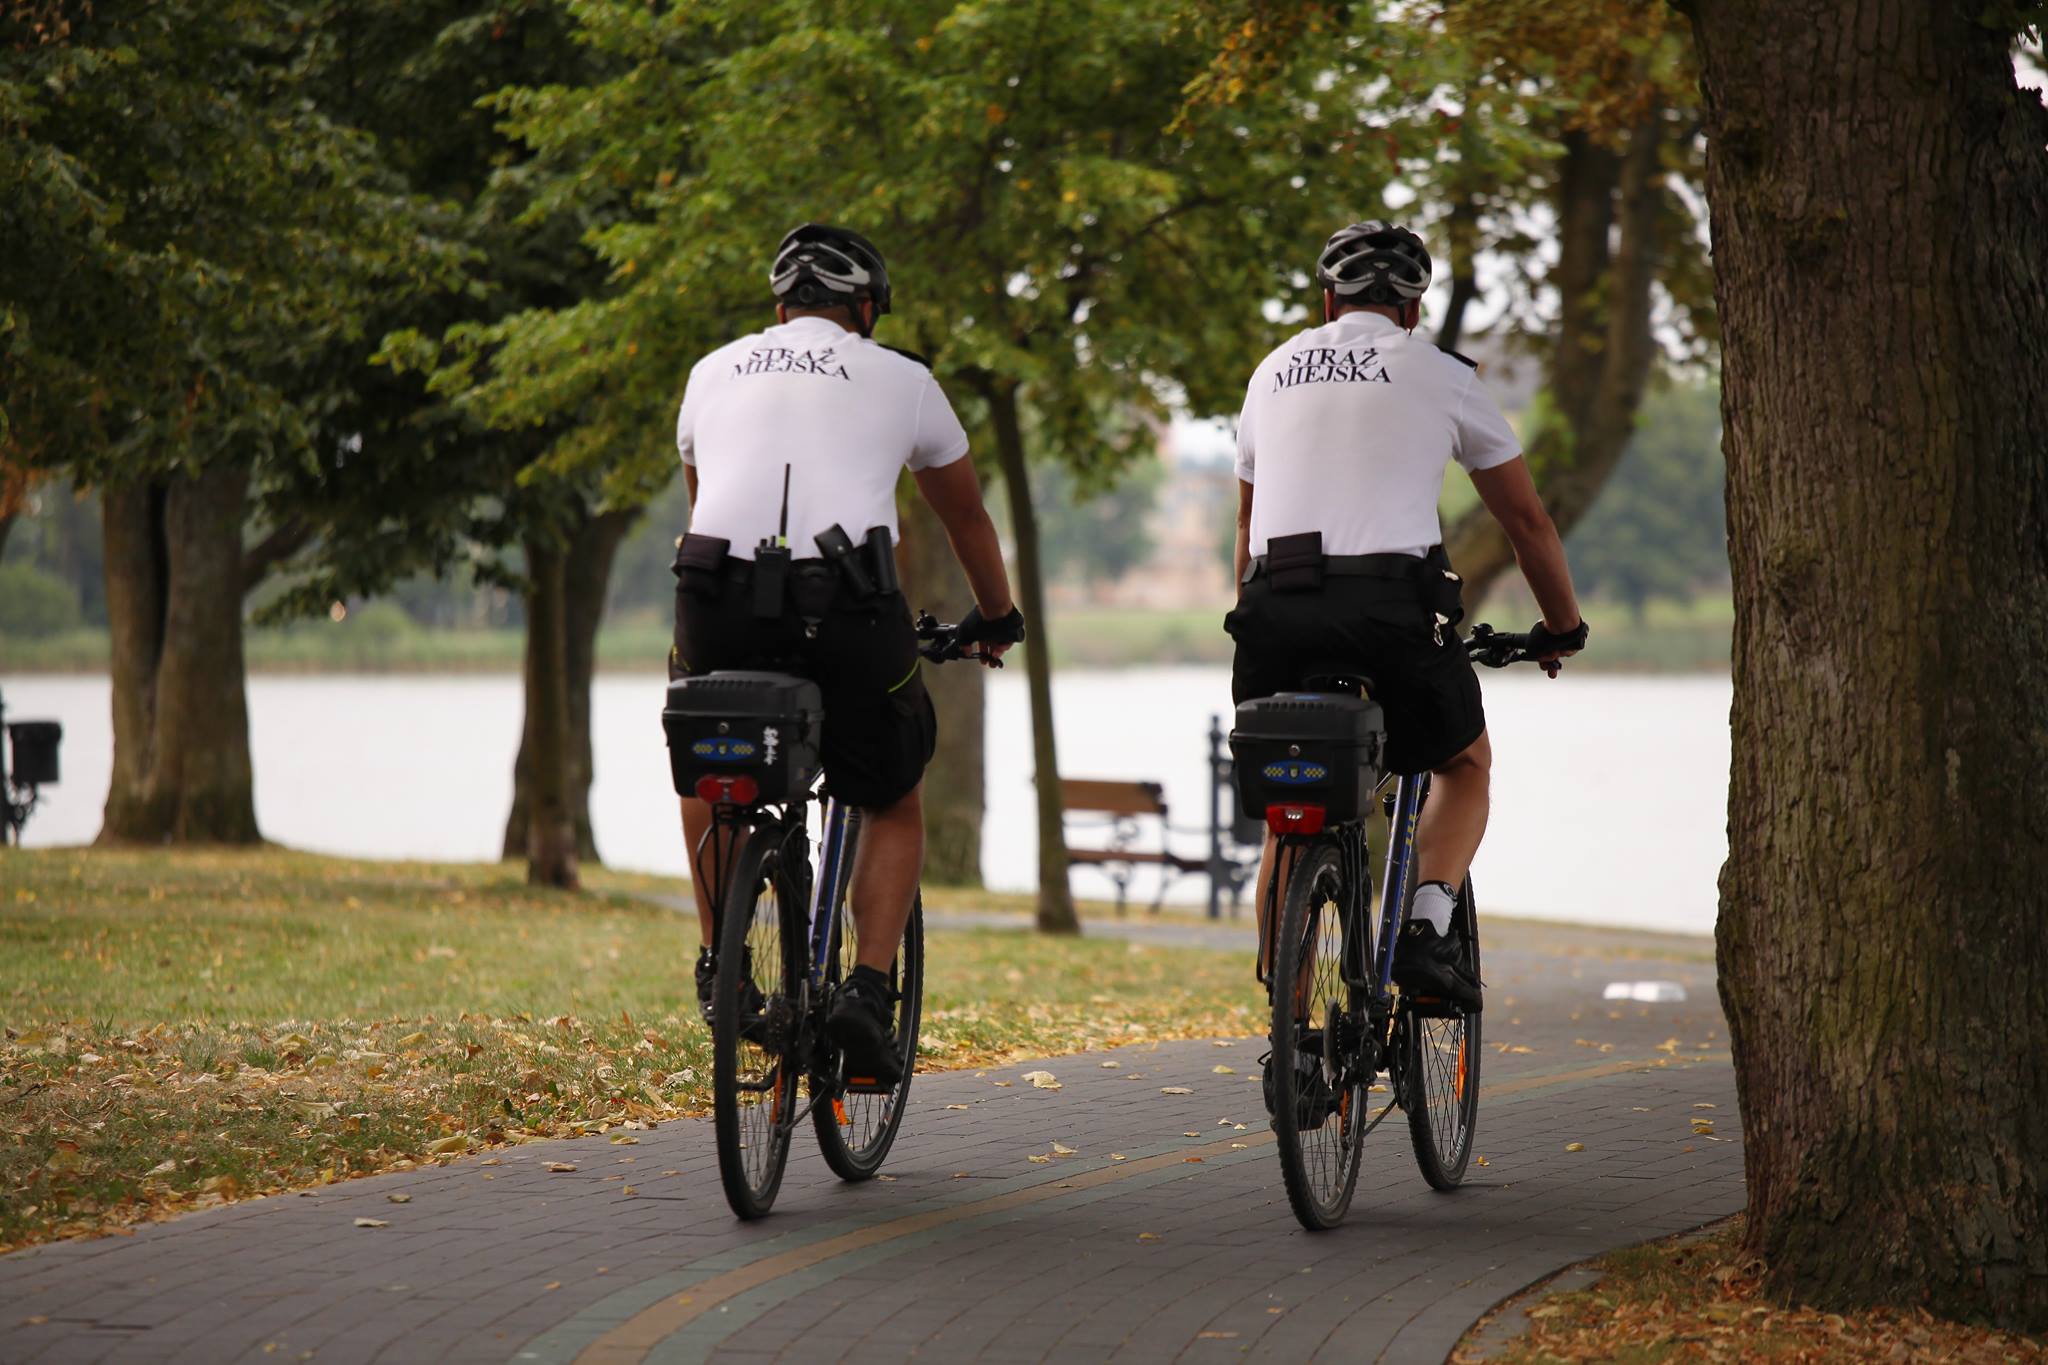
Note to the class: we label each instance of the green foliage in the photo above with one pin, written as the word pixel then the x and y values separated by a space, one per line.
pixel 35 604
pixel 190 239
pixel 1660 529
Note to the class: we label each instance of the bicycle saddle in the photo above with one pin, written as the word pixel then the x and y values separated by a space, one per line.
pixel 1338 680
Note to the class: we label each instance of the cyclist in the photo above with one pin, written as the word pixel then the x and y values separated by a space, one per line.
pixel 787 435
pixel 1342 444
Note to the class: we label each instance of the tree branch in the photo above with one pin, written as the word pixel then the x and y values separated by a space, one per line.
pixel 286 540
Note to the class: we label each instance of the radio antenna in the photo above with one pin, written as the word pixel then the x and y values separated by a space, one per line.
pixel 782 529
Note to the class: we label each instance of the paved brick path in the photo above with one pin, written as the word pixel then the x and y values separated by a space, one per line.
pixel 1182 1250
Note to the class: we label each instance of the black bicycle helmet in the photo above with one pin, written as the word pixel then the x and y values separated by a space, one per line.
pixel 820 266
pixel 1374 262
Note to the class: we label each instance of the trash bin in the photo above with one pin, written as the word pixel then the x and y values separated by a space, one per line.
pixel 35 752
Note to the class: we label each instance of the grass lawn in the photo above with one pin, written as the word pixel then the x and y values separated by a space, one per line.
pixel 1701 1298
pixel 186 1028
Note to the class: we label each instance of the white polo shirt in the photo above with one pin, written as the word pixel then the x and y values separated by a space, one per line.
pixel 1346 430
pixel 843 412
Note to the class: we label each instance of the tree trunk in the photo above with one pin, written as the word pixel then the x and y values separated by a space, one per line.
pixel 551 827
pixel 587 582
pixel 953 792
pixel 1605 343
pixel 181 768
pixel 1880 227
pixel 1055 897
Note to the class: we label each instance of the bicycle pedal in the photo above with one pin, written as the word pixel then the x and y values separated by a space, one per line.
pixel 865 1085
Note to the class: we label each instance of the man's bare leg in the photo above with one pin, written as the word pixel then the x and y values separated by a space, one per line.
pixel 1454 820
pixel 886 868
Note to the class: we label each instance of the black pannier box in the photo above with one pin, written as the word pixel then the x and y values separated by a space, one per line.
pixel 764 726
pixel 1307 748
pixel 35 752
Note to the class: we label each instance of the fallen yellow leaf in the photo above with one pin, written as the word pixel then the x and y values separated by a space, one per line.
pixel 1175 1090
pixel 449 1146
pixel 560 1166
pixel 371 1223
pixel 1042 1080
pixel 399 1198
pixel 1575 1146
pixel 1038 1160
pixel 1224 1070
pixel 1061 1149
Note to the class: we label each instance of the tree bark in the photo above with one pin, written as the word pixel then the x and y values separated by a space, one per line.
pixel 587 583
pixel 1055 897
pixel 181 768
pixel 1879 208
pixel 953 784
pixel 1609 206
pixel 551 828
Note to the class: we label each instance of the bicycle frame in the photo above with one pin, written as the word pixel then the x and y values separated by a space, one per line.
pixel 825 888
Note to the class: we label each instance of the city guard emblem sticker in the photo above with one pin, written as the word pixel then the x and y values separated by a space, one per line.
pixel 723 750
pixel 1294 773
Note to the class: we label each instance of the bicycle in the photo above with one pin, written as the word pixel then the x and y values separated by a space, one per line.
pixel 1338 1020
pixel 784 936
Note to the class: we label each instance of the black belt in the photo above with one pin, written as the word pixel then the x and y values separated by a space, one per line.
pixel 1402 568
pixel 737 570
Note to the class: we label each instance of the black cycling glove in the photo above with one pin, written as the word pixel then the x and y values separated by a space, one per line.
pixel 976 629
pixel 1542 642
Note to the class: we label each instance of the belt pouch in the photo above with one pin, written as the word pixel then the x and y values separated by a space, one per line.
pixel 837 547
pixel 698 561
pixel 1295 563
pixel 771 578
pixel 881 561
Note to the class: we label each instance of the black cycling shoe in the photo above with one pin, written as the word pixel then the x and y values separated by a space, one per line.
pixel 862 1022
pixel 752 1026
pixel 1433 965
pixel 1312 1092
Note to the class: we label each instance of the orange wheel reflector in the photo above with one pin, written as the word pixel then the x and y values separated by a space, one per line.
pixel 839 1112
pixel 1461 1071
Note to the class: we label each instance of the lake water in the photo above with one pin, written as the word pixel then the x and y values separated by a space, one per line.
pixel 1609 794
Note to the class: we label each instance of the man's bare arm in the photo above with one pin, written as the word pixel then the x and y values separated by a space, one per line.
pixel 1510 494
pixel 1243 554
pixel 954 493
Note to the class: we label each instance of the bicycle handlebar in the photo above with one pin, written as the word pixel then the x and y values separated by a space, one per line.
pixel 942 643
pixel 1499 648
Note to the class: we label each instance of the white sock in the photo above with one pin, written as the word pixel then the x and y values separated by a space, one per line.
pixel 1433 902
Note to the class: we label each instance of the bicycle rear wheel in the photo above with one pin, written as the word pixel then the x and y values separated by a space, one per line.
pixel 1440 1073
pixel 1318 1085
pixel 857 1128
pixel 755 1065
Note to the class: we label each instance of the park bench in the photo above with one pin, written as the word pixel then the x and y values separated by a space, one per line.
pixel 1133 815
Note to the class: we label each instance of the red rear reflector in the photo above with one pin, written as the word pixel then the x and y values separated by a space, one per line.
pixel 1295 819
pixel 724 791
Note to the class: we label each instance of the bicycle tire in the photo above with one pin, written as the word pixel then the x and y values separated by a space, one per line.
pixel 855 1131
pixel 764 912
pixel 1319 1149
pixel 1441 1053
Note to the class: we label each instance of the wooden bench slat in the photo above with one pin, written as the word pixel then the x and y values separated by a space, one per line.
pixel 1112 798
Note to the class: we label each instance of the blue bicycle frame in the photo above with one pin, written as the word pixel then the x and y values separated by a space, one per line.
pixel 837 841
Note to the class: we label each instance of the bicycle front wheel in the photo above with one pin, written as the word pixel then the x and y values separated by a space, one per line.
pixel 1440 1072
pixel 856 1130
pixel 756 1011
pixel 1317 1084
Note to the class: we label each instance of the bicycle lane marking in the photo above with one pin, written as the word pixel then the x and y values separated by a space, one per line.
pixel 629 1326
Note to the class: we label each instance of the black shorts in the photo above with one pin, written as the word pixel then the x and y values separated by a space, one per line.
pixel 1428 690
pixel 879 725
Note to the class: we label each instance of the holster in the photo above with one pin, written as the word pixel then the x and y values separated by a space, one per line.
pixel 1295 563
